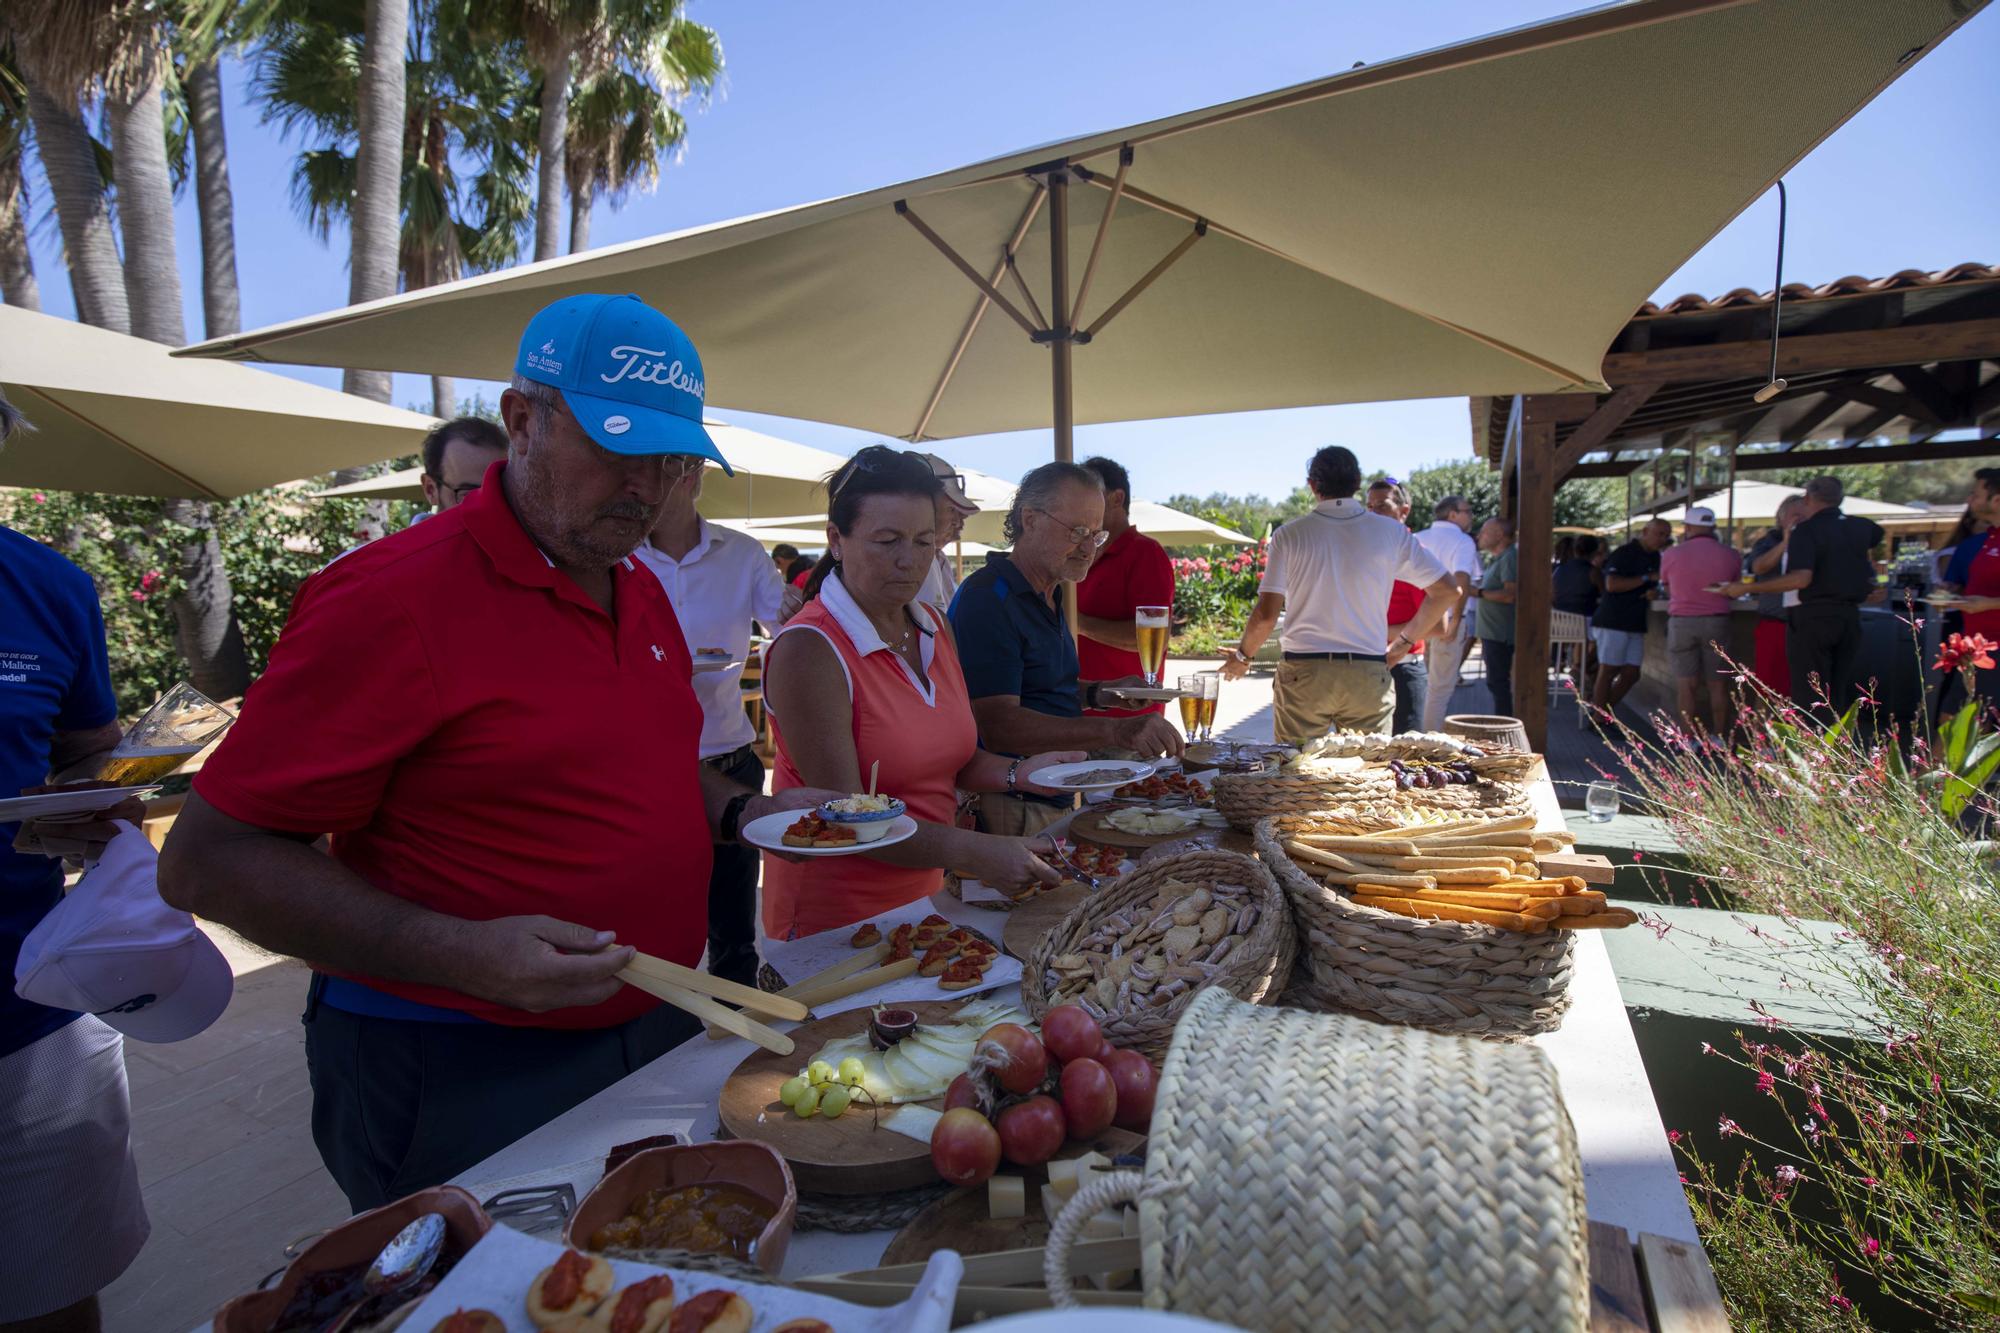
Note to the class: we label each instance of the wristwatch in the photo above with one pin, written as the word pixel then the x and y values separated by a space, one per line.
pixel 1236 654
pixel 731 813
pixel 1013 771
pixel 1090 690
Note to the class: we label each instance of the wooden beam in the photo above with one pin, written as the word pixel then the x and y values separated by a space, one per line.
pixel 1599 426
pixel 1911 344
pixel 1614 468
pixel 1940 404
pixel 1865 427
pixel 1510 448
pixel 1773 460
pixel 1558 408
pixel 1534 514
pixel 1812 417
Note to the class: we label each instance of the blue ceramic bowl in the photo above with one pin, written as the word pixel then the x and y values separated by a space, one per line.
pixel 868 825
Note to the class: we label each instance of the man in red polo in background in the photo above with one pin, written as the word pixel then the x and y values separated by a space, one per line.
pixel 1132 570
pixel 492 715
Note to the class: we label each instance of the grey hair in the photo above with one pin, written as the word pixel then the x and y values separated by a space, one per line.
pixel 1038 490
pixel 1825 490
pixel 1448 506
pixel 11 420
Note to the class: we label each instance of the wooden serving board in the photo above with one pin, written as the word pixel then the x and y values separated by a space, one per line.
pixel 845 1156
pixel 1089 826
pixel 1028 923
pixel 959 1220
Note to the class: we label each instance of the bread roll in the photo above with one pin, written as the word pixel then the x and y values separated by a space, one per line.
pixel 716 1311
pixel 575 1284
pixel 643 1307
pixel 470 1321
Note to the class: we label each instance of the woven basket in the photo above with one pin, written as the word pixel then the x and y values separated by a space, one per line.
pixel 1312 1172
pixel 1258 966
pixel 1455 976
pixel 1487 800
pixel 1245 798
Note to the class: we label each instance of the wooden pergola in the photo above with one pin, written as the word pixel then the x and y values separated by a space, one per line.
pixel 1876 371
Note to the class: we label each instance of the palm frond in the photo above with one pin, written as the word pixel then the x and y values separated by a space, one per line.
pixel 323 183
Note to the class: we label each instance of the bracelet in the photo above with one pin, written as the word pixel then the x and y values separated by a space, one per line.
pixel 1013 771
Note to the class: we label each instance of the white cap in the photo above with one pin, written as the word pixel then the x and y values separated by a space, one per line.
pixel 954 485
pixel 112 948
pixel 1699 516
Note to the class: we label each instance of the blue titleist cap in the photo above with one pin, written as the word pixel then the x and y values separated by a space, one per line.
pixel 630 376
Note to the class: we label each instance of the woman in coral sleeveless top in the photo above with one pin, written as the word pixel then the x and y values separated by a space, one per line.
pixel 866 674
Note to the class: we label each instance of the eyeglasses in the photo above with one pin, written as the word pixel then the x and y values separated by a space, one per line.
pixel 879 458
pixel 1080 535
pixel 683 465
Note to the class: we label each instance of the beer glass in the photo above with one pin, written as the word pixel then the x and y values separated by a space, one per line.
pixel 1151 624
pixel 1190 687
pixel 173 731
pixel 1211 691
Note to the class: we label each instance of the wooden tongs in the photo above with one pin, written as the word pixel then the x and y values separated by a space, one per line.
pixel 685 988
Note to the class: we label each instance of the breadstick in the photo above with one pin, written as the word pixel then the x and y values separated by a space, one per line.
pixel 1443 862
pixel 1485 875
pixel 1494 901
pixel 1614 919
pixel 1556 883
pixel 1476 836
pixel 1478 916
pixel 1580 904
pixel 1377 877
pixel 1344 842
pixel 1304 853
pixel 1480 850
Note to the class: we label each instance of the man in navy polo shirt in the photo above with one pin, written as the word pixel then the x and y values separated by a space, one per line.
pixel 493 717
pixel 69 1191
pixel 1019 655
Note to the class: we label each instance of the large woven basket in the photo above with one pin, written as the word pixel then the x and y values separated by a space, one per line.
pixel 1487 800
pixel 1245 798
pixel 1451 975
pixel 1313 1172
pixel 1258 967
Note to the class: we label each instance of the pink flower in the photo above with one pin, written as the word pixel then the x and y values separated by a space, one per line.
pixel 1726 1127
pixel 1789 1174
pixel 1965 650
pixel 40 498
pixel 148 579
pixel 1909 1137
pixel 1766 1083
pixel 1870 1246
pixel 138 596
pixel 1840 1302
pixel 1673 1136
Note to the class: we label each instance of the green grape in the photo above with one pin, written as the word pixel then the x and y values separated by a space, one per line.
pixel 852 1071
pixel 834 1102
pixel 807 1104
pixel 819 1071
pixel 790 1090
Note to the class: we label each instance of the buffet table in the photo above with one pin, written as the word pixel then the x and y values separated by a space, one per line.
pixel 1629 1173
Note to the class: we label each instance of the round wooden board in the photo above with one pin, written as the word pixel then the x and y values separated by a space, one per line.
pixel 845 1156
pixel 1089 826
pixel 959 1220
pixel 1033 919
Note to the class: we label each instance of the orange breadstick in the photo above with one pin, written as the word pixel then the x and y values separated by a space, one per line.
pixel 1615 919
pixel 1494 901
pixel 1581 904
pixel 1478 916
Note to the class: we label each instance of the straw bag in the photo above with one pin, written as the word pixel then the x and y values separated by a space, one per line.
pixel 1451 975
pixel 1256 967
pixel 1315 1172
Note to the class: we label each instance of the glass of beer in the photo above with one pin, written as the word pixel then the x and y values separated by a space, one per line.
pixel 1151 624
pixel 1190 687
pixel 1211 690
pixel 173 731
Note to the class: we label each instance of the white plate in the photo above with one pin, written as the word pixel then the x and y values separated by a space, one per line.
pixel 51 804
pixel 1057 776
pixel 703 665
pixel 769 833
pixel 1151 692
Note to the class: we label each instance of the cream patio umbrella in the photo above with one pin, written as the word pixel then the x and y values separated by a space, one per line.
pixel 1169 527
pixel 774 477
pixel 1478 219
pixel 117 414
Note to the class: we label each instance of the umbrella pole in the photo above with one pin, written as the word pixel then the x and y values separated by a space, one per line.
pixel 1061 378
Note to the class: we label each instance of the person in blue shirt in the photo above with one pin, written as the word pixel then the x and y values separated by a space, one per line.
pixel 69 1191
pixel 1018 652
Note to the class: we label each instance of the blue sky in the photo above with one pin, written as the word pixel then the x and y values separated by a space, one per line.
pixel 825 101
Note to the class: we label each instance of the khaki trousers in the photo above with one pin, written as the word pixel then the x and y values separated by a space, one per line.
pixel 1312 698
pixel 1012 817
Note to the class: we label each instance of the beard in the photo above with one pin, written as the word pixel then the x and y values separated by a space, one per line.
pixel 576 534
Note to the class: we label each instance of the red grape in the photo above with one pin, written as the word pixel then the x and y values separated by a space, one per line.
pixel 1071 1033
pixel 1103 1052
pixel 1137 1083
pixel 1031 1131
pixel 1019 1063
pixel 1089 1099
pixel 965 1147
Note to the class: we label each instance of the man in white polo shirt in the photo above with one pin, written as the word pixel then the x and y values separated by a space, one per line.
pixel 718 581
pixel 1330 572
pixel 1449 538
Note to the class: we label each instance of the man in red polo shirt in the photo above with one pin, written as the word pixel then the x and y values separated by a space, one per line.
pixel 492 716
pixel 1132 570
pixel 1410 676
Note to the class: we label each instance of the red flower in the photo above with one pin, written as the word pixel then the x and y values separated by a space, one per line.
pixel 1964 651
pixel 1870 1246
pixel 40 499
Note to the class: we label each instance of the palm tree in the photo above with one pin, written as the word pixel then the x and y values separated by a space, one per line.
pixel 553 32
pixel 463 103
pixel 378 158
pixel 221 303
pixel 17 264
pixel 135 95
pixel 624 116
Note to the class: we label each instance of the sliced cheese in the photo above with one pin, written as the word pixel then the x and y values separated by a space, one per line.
pixel 1062 1177
pixel 916 1122
pixel 1006 1196
pixel 1077 1173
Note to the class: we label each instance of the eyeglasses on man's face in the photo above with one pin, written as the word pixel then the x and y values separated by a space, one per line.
pixel 1081 534
pixel 457 493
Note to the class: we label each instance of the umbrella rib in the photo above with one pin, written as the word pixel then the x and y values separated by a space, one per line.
pixel 1172 209
pixel 1173 255
pixel 979 310
pixel 122 442
pixel 993 293
pixel 1014 272
pixel 1103 226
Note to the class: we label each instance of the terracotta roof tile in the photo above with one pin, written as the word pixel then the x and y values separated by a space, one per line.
pixel 1852 285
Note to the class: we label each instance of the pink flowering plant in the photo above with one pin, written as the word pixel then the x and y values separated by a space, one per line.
pixel 1214 589
pixel 1877 1195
